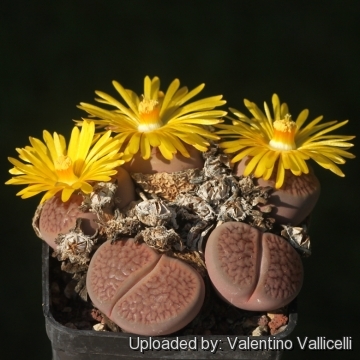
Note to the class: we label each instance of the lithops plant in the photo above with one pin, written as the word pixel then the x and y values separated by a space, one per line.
pixel 274 148
pixel 253 270
pixel 296 198
pixel 64 172
pixel 56 217
pixel 159 132
pixel 141 291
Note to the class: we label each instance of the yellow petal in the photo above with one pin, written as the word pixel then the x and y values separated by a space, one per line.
pixel 168 96
pixel 74 143
pixel 268 173
pixel 165 152
pixel 280 174
pixel 134 143
pixel 126 97
pixel 191 94
pixel 145 147
pixel 154 140
pixel 276 106
pixel 66 193
pixel 301 118
pixel 155 87
pixel 147 87
pixel 254 161
pixel 242 154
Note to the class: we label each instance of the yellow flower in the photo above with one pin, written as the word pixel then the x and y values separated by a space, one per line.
pixel 52 168
pixel 278 143
pixel 158 120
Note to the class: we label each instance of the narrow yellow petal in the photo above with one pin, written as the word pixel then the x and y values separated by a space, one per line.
pixel 99 144
pixel 66 193
pixel 269 159
pixel 266 162
pixel 255 111
pixel 254 161
pixel 154 140
pixel 284 110
pixel 49 194
pixel 280 174
pixel 74 143
pixel 294 165
pixel 268 173
pixel 242 154
pixel 191 94
pixel 85 140
pixel 134 143
pixel 178 144
pixel 168 96
pixel 165 141
pixel 49 141
pixel 301 118
pixel 60 150
pixel 126 97
pixel 155 88
pixel 165 152
pixel 29 194
pixel 147 87
pixel 276 106
pixel 145 147
pixel 325 163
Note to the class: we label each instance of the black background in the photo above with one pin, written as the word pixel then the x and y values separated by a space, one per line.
pixel 54 54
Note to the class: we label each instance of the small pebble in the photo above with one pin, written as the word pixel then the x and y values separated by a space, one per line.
pixel 277 321
pixel 257 332
pixel 99 327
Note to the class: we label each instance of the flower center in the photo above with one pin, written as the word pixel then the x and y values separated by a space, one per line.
pixel 284 134
pixel 64 170
pixel 149 115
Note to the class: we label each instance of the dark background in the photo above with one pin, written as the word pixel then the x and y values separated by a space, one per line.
pixel 55 54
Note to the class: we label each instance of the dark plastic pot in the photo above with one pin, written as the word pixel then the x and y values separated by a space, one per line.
pixel 70 344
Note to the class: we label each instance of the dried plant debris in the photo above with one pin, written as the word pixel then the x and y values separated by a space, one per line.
pixel 232 198
pixel 298 238
pixel 101 199
pixel 36 219
pixel 121 225
pixel 183 220
pixel 200 200
pixel 160 238
pixel 164 185
pixel 74 249
pixel 75 245
pixel 155 212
